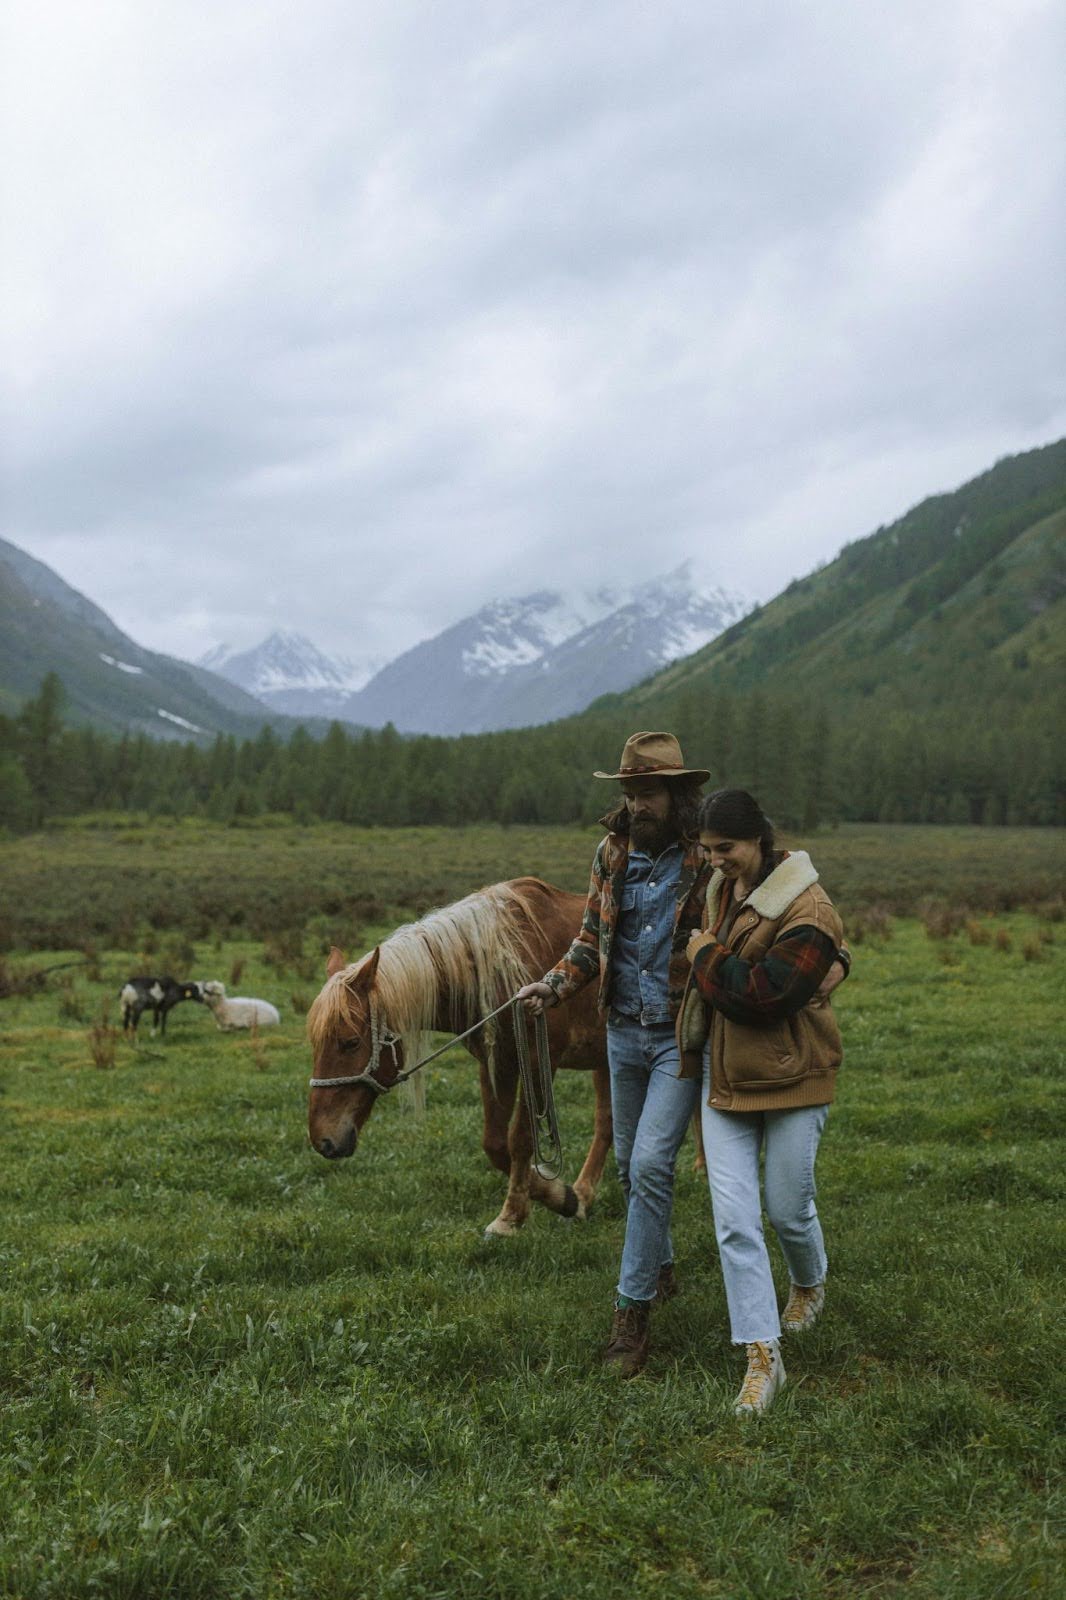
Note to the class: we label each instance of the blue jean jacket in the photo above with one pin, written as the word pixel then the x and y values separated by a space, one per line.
pixel 640 958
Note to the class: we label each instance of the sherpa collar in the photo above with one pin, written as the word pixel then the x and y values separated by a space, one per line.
pixel 776 893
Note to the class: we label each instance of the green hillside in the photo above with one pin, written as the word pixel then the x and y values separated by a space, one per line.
pixel 922 673
pixel 971 578
pixel 110 682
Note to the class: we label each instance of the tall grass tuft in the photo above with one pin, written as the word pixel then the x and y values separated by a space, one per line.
pixel 236 971
pixel 1033 949
pixel 14 983
pixel 1003 940
pixel 103 1041
pixel 978 932
pixel 941 920
pixel 71 1000
pixel 870 922
pixel 284 948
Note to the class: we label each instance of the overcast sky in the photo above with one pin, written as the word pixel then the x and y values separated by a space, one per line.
pixel 348 316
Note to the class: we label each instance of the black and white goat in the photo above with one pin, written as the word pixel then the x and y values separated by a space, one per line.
pixel 158 995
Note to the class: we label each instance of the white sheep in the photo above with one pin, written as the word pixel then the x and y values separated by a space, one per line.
pixel 238 1011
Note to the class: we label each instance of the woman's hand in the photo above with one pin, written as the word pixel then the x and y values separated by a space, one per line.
pixel 536 997
pixel 833 977
pixel 696 942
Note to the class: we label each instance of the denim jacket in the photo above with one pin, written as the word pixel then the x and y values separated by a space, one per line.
pixel 589 956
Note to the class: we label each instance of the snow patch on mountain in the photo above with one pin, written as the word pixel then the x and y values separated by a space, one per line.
pixel 514 662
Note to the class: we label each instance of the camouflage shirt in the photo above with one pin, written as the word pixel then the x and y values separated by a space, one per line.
pixel 589 956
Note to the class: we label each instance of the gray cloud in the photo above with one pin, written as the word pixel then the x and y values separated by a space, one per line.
pixel 349 319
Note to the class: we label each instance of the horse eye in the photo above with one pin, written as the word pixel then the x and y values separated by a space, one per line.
pixel 350 1044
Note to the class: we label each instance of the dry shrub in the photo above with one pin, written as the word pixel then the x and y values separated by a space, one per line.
pixel 18 983
pixel 941 920
pixel 71 1000
pixel 869 922
pixel 236 971
pixel 978 932
pixel 258 1052
pixel 1033 950
pixel 1003 940
pixel 285 948
pixel 177 954
pixel 103 1041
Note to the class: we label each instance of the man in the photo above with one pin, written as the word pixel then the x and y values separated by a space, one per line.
pixel 645 899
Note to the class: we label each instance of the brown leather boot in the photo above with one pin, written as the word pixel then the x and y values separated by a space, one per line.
pixel 628 1348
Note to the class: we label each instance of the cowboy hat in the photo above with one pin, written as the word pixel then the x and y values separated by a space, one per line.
pixel 653 755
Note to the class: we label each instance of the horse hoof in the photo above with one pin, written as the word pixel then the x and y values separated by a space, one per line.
pixel 499 1230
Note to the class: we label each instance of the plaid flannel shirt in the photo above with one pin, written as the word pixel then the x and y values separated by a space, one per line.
pixel 778 985
pixel 589 956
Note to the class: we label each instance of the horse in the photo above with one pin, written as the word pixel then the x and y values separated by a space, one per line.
pixel 442 974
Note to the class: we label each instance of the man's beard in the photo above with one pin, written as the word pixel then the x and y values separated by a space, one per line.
pixel 652 834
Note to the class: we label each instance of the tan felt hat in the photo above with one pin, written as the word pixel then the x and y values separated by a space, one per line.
pixel 653 755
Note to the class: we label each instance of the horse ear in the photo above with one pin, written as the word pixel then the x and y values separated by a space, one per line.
pixel 336 962
pixel 369 969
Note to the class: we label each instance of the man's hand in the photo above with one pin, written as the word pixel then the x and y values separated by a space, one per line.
pixel 833 977
pixel 536 997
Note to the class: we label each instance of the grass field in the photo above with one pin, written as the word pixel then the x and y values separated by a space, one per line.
pixel 112 882
pixel 232 1369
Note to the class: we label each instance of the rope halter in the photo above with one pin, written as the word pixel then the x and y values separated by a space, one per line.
pixel 381 1039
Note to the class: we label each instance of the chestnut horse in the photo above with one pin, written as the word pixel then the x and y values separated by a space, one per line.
pixel 443 974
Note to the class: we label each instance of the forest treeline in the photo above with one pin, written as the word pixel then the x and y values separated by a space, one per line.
pixel 809 764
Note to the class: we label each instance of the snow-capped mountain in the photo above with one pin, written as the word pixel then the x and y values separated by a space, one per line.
pixel 290 674
pixel 513 663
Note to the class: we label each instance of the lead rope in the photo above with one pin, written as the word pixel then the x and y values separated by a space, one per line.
pixel 538 1093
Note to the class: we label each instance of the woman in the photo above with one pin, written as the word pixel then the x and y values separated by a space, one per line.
pixel 768 1044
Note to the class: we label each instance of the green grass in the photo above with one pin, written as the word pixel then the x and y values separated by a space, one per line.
pixel 232 1369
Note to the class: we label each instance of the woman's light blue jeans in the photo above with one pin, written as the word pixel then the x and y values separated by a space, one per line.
pixel 732 1141
pixel 651 1107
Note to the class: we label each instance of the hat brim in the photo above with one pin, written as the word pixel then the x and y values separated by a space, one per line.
pixel 659 772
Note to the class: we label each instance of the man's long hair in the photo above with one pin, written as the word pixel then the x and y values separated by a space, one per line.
pixel 683 814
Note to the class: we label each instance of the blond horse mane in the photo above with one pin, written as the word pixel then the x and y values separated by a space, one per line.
pixel 474 952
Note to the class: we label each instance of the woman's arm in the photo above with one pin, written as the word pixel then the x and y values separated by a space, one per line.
pixel 755 992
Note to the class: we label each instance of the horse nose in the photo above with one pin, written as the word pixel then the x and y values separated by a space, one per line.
pixel 334 1150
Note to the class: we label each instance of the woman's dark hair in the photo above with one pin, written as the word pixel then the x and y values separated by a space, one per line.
pixel 684 808
pixel 735 814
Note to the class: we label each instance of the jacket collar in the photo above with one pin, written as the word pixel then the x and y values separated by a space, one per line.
pixel 776 893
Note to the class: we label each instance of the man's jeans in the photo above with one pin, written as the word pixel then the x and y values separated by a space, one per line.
pixel 731 1142
pixel 651 1107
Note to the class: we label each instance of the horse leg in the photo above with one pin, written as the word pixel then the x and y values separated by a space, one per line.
pixel 524 1183
pixel 588 1179
pixel 553 1193
pixel 498 1104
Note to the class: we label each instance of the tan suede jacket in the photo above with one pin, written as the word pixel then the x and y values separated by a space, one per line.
pixel 774 1043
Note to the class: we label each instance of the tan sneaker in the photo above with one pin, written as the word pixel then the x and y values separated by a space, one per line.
pixel 804 1306
pixel 627 1350
pixel 765 1375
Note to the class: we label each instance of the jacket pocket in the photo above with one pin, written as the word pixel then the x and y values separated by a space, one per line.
pixel 760 1059
pixel 694 1024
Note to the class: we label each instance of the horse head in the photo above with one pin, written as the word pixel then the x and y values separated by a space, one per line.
pixel 356 1056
